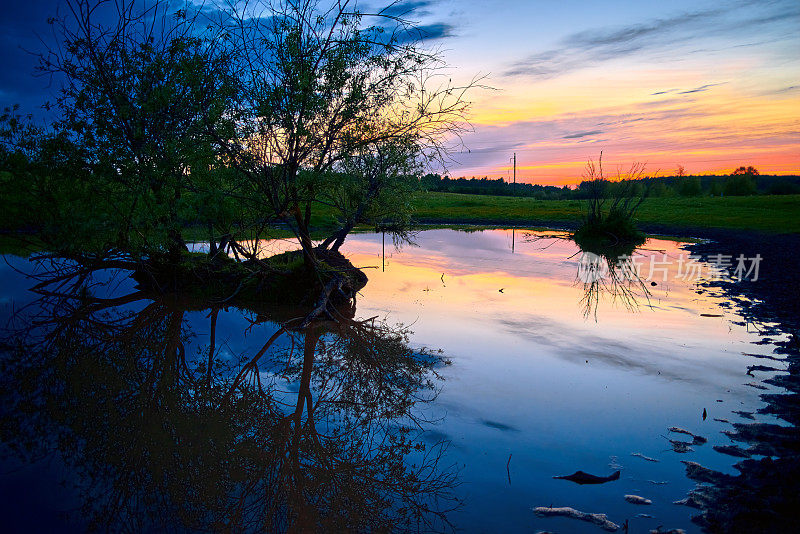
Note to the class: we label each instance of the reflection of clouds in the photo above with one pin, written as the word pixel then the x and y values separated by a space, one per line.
pixel 570 344
pixel 435 436
pixel 499 426
pixel 405 287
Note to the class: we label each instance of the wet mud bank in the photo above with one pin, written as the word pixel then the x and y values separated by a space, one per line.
pixel 765 494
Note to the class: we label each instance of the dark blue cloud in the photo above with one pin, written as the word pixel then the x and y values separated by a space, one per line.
pixel 23 27
pixel 426 32
pixel 407 8
pixel 25 34
pixel 410 11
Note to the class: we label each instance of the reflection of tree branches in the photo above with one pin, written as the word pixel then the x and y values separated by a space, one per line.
pixel 620 282
pixel 611 274
pixel 312 432
pixel 549 238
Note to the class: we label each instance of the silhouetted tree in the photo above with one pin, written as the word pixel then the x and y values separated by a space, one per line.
pixel 689 186
pixel 748 171
pixel 159 430
pixel 320 88
pixel 142 86
pixel 742 182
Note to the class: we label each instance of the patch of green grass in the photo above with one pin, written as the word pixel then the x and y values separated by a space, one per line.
pixel 482 209
pixel 767 213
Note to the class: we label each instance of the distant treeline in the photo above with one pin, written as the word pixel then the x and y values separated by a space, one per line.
pixel 665 186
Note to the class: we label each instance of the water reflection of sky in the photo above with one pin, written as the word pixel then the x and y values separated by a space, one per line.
pixel 535 379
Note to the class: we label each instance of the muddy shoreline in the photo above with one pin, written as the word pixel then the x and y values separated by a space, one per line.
pixel 765 494
pixel 775 295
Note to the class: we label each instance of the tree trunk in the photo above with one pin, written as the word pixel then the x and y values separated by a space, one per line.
pixel 337 238
pixel 309 259
pixel 212 249
pixel 305 514
pixel 176 245
pixel 341 236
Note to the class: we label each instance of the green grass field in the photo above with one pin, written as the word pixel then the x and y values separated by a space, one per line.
pixel 773 214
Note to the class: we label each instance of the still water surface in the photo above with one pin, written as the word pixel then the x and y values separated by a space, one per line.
pixel 535 379
pixel 531 383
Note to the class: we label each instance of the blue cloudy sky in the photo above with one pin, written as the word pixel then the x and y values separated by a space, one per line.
pixel 709 85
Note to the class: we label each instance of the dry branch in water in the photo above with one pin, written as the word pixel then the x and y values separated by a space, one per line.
pixel 601 520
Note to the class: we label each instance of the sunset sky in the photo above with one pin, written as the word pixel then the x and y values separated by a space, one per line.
pixel 709 85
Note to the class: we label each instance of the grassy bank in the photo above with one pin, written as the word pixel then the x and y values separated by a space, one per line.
pixel 772 214
pixel 762 213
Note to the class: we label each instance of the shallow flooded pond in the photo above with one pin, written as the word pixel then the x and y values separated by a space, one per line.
pixel 537 380
pixel 511 368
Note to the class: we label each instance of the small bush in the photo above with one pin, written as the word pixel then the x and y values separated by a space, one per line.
pixel 613 235
pixel 608 224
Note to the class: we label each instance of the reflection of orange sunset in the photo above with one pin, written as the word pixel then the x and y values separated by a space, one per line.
pixel 539 279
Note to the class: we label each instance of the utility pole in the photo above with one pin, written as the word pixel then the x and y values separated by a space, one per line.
pixel 514 187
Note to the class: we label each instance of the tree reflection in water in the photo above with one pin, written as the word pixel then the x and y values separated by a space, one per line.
pixel 607 272
pixel 317 430
pixel 612 278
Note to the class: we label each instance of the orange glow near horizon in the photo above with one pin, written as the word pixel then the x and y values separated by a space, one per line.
pixel 710 104
pixel 712 134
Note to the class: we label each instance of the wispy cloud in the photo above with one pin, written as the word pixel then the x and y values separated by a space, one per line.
pixel 582 134
pixel 784 90
pixel 594 46
pixel 408 8
pixel 427 32
pixel 591 47
pixel 655 131
pixel 700 89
